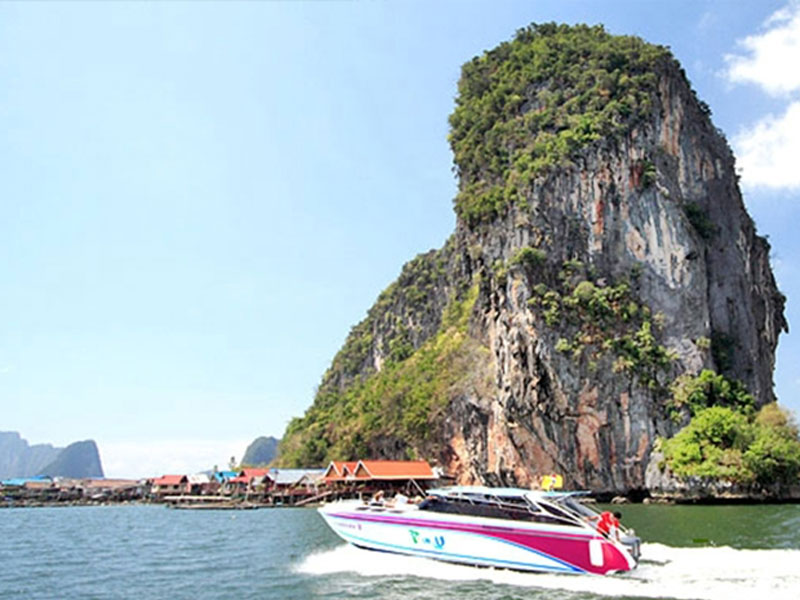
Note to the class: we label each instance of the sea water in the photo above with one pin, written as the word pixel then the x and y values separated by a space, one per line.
pixel 724 552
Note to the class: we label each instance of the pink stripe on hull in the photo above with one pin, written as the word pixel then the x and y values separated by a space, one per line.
pixel 454 526
pixel 566 547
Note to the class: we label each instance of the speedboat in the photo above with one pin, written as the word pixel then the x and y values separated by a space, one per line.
pixel 551 531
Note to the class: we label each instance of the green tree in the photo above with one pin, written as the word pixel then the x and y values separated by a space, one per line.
pixel 726 443
pixel 774 454
pixel 711 445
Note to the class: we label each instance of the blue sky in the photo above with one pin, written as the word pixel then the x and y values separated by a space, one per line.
pixel 199 199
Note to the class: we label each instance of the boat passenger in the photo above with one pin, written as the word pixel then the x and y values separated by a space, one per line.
pixel 608 523
pixel 397 499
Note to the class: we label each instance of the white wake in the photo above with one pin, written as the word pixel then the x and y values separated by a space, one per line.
pixel 665 572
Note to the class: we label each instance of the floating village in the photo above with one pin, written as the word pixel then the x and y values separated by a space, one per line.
pixel 246 488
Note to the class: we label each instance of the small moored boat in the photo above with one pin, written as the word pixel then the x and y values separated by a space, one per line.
pixel 497 527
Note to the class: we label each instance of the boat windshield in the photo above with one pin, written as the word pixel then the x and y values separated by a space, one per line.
pixel 561 511
pixel 577 507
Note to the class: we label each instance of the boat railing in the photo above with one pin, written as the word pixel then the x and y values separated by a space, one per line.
pixel 492 501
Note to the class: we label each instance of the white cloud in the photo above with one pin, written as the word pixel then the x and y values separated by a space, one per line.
pixel 772 57
pixel 134 460
pixel 767 153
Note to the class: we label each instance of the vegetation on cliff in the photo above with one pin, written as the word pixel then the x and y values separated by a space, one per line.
pixel 533 103
pixel 397 405
pixel 399 314
pixel 696 392
pixel 597 319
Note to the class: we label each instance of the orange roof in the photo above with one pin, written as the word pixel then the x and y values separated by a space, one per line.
pixel 394 469
pixel 338 470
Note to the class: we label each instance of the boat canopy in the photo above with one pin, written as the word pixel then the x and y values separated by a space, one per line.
pixel 504 492
pixel 562 508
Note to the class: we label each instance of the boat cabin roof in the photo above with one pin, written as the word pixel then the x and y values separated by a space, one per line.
pixel 504 492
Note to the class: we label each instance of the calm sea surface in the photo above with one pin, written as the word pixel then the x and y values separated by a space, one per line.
pixel 726 552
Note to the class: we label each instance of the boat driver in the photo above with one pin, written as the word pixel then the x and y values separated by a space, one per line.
pixel 608 523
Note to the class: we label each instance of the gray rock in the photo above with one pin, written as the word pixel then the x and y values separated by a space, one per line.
pixel 78 460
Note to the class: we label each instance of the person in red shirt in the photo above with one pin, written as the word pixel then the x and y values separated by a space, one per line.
pixel 608 523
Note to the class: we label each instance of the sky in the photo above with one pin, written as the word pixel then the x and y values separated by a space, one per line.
pixel 199 200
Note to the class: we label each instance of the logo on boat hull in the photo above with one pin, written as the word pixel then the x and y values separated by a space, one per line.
pixel 419 539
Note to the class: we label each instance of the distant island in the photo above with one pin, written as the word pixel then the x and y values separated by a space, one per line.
pixel 19 459
pixel 261 451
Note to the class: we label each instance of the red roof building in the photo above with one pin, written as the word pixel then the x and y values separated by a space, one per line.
pixel 380 470
pixel 248 478
pixel 170 484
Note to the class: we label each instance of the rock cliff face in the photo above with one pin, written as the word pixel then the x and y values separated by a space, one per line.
pixel 602 249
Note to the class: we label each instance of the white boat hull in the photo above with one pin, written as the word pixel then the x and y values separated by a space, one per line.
pixel 477 541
